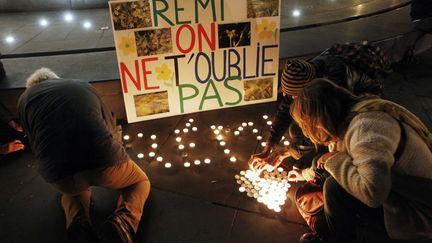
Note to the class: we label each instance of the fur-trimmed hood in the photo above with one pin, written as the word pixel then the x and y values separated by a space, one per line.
pixel 39 76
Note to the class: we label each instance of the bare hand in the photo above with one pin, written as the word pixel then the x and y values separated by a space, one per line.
pixel 15 125
pixel 295 175
pixel 12 147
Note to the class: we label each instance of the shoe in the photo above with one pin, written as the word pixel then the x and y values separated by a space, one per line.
pixel 81 231
pixel 116 230
pixel 312 238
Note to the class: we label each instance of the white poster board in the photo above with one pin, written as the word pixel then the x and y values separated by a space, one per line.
pixel 184 56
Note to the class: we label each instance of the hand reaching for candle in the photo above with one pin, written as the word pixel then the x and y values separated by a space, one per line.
pixel 258 162
pixel 295 175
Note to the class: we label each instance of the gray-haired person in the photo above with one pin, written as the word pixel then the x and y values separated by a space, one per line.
pixel 72 134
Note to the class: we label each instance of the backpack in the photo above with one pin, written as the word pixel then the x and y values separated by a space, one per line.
pixel 367 58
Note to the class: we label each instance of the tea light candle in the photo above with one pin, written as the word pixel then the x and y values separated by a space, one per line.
pixel 240 129
pixel 227 151
pixel 181 147
pixel 185 130
pixel 265 117
pixel 154 145
pixel 207 161
pixel 259 138
pixel 192 145
pixel 269 123
pixel 286 143
pixel 178 139
pixel 233 159
pixel 188 124
pixel 126 137
pixel 191 120
pixel 242 189
pixel 152 154
pixel 255 130
pixel 140 155
pixel 216 132
pixel 283 138
pixel 250 123
pixel 177 131
pixel 219 137
pixel 236 133
pixel 220 127
pixel 194 129
pixel 187 164
pixel 263 144
pixel 197 162
pixel 280 169
pixel 168 165
pixel 244 124
pixel 213 127
pixel 159 158
pixel 222 143
pixel 153 137
pixel 140 135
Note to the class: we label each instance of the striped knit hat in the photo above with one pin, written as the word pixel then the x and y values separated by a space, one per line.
pixel 296 74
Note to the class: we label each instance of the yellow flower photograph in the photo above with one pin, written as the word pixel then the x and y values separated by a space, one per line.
pixel 127 46
pixel 163 72
pixel 266 29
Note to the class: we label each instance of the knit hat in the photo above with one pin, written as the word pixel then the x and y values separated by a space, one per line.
pixel 296 74
pixel 39 76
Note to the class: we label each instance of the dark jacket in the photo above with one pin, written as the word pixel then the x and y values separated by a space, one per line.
pixel 69 128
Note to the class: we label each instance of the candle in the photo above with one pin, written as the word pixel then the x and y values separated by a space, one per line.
pixel 185 130
pixel 154 145
pixel 188 124
pixel 213 127
pixel 222 143
pixel 227 151
pixel 126 137
pixel 286 143
pixel 153 137
pixel 192 145
pixel 250 123
pixel 207 161
pixel 140 155
pixel 220 127
pixel 269 123
pixel 240 129
pixel 152 154
pixel 265 117
pixel 236 133
pixel 191 120
pixel 216 132
pixel 194 129
pixel 168 165
pixel 255 130
pixel 244 124
pixel 159 158
pixel 178 139
pixel 263 144
pixel 140 135
pixel 187 164
pixel 233 159
pixel 181 147
pixel 259 138
pixel 177 131
pixel 197 162
pixel 219 137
